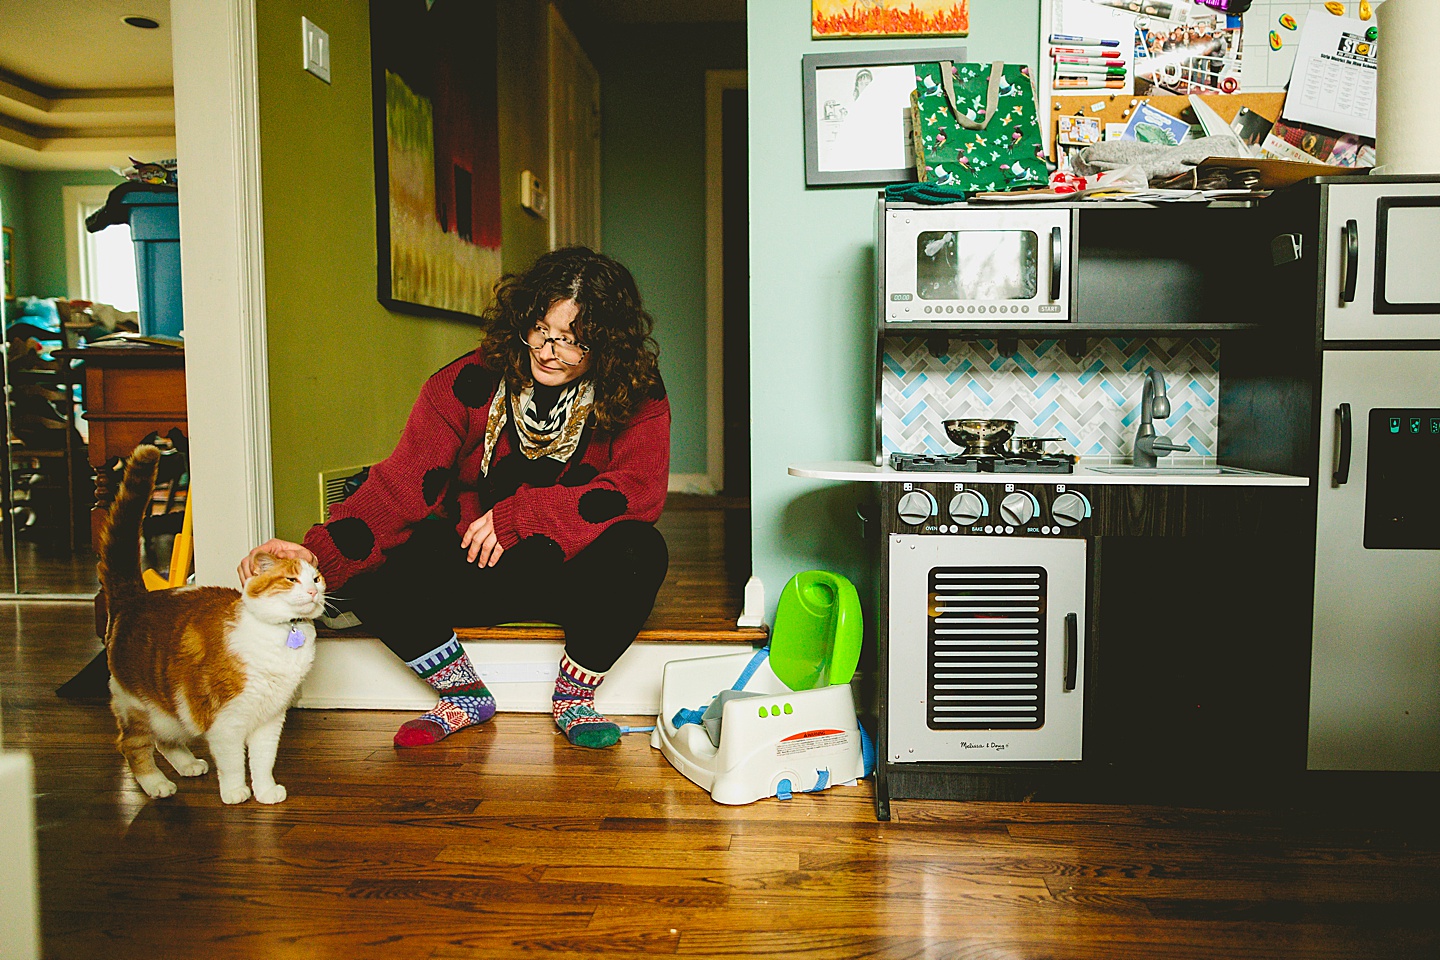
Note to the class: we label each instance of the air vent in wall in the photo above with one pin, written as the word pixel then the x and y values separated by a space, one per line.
pixel 332 487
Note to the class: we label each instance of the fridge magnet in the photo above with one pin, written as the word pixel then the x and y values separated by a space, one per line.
pixel 842 19
pixel 1288 21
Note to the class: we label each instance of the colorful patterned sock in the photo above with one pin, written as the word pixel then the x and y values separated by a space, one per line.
pixel 464 700
pixel 573 706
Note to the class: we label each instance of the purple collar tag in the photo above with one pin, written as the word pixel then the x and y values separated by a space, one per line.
pixel 296 640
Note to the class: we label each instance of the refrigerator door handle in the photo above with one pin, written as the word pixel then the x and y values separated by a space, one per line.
pixel 1343 430
pixel 1072 650
pixel 1349 261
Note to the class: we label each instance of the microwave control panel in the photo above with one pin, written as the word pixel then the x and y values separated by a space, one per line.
pixel 990 509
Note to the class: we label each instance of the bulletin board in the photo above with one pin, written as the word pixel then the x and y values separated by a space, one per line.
pixel 1115 108
pixel 1264 69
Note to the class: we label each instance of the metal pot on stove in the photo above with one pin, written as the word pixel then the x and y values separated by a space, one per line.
pixel 1033 446
pixel 980 437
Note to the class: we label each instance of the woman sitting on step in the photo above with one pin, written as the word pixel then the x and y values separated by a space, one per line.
pixel 525 486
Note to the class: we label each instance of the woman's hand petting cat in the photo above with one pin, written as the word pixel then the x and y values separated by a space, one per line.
pixel 276 548
pixel 484 547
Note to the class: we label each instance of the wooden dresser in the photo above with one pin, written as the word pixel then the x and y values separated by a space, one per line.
pixel 130 393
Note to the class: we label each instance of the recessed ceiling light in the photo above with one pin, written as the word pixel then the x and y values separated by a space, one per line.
pixel 144 23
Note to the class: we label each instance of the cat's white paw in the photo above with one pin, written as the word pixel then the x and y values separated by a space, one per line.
pixel 272 794
pixel 235 794
pixel 194 767
pixel 157 785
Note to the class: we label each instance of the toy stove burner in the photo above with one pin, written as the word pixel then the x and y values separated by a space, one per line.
pixel 936 462
pixel 981 463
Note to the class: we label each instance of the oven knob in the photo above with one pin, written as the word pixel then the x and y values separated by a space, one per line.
pixel 966 507
pixel 1070 508
pixel 916 507
pixel 1017 509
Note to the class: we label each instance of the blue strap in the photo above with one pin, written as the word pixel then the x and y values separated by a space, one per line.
pixel 751 667
pixel 822 780
pixel 686 715
pixel 783 790
pixel 867 751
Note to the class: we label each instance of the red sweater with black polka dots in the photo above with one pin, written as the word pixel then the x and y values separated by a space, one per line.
pixel 435 470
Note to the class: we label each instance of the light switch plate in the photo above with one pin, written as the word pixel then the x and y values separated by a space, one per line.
pixel 316 49
pixel 533 196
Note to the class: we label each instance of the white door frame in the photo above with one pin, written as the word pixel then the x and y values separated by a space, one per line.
pixel 716 83
pixel 217 135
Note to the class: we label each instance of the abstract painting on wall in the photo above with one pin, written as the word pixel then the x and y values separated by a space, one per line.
pixel 839 19
pixel 437 154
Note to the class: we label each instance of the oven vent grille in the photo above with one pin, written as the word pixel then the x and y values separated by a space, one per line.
pixel 986 638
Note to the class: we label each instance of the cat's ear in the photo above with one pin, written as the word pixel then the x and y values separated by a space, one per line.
pixel 263 562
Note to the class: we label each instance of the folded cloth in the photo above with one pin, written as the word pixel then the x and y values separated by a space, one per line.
pixel 1158 160
pixel 926 193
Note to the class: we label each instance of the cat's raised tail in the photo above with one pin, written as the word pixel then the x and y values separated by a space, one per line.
pixel 119 564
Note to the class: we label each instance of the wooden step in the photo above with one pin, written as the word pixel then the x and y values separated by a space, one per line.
pixel 651 633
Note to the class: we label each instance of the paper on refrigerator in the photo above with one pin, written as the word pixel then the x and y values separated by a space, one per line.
pixel 1333 82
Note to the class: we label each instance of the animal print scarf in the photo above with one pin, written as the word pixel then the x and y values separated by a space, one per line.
pixel 554 434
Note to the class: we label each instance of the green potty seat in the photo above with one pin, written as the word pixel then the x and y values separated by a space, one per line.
pixel 818 631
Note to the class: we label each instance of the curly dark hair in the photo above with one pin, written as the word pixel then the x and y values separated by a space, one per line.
pixel 610 320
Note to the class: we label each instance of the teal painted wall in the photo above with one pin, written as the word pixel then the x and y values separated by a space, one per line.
pixel 32 203
pixel 652 108
pixel 12 214
pixel 45 218
pixel 811 287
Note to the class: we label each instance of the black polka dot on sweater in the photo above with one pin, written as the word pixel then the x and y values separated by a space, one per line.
pixel 539 552
pixel 597 506
pixel 353 537
pixel 433 484
pixel 579 475
pixel 473 385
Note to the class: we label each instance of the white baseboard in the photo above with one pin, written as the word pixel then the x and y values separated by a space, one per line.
pixel 361 674
pixel 692 483
pixel 19 893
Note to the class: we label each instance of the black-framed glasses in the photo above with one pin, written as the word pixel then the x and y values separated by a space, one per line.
pixel 567 351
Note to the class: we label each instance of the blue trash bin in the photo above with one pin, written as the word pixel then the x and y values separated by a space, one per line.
pixel 155 230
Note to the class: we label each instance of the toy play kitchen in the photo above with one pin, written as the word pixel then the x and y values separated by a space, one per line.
pixel 1129 609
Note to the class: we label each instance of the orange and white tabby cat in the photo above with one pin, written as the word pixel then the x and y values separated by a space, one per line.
pixel 206 662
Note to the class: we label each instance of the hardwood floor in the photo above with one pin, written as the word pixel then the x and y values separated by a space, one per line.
pixel 505 841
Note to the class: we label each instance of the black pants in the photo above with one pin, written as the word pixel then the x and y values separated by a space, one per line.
pixel 600 597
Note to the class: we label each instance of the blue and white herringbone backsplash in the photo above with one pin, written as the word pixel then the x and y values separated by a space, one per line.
pixel 1092 404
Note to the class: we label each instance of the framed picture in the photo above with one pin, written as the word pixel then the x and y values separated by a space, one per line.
pixel 7 237
pixel 437 154
pixel 839 19
pixel 856 113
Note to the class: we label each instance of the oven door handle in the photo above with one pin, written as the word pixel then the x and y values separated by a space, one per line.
pixel 1056 249
pixel 1072 650
pixel 1349 261
pixel 1343 430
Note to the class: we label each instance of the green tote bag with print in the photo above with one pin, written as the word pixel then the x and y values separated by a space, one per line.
pixel 975 128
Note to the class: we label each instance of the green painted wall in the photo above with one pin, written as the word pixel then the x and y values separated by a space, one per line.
pixel 45 218
pixel 32 203
pixel 344 371
pixel 12 214
pixel 652 96
pixel 811 289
